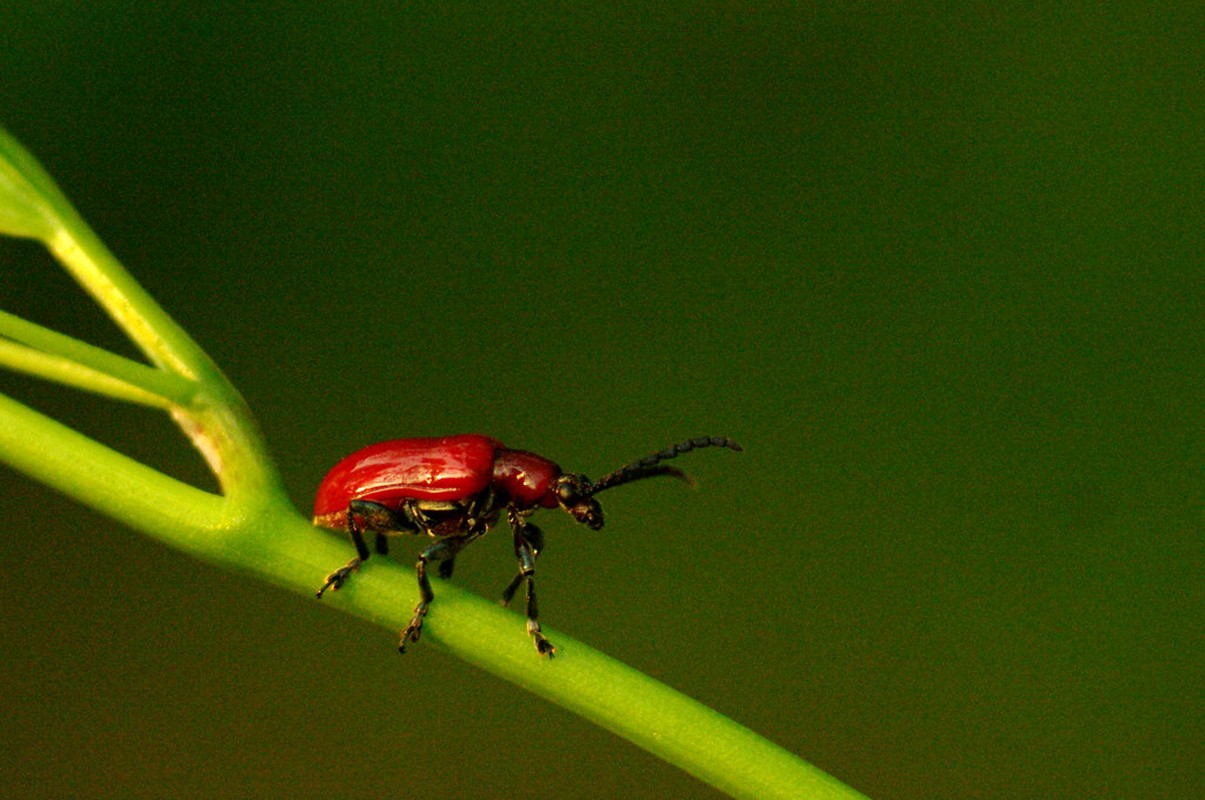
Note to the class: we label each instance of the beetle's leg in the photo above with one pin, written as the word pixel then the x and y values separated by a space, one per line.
pixel 446 567
pixel 373 517
pixel 441 553
pixel 509 594
pixel 528 539
pixel 336 579
pixel 534 537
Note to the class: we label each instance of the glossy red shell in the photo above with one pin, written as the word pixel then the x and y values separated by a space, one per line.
pixel 446 468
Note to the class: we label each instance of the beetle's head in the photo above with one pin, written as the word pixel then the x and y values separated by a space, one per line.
pixel 572 493
pixel 575 493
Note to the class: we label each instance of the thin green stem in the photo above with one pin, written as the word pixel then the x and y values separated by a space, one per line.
pixel 70 373
pixel 96 269
pixel 64 359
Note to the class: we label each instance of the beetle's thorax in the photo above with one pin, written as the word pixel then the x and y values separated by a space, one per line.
pixel 525 478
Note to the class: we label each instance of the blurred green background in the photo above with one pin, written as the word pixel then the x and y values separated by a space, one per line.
pixel 939 270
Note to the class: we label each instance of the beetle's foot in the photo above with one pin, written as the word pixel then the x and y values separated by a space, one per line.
pixel 414 629
pixel 336 579
pixel 543 646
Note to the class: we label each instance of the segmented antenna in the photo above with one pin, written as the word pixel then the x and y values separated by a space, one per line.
pixel 651 466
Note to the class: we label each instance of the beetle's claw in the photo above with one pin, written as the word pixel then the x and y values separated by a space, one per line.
pixel 336 579
pixel 414 629
pixel 543 646
pixel 410 634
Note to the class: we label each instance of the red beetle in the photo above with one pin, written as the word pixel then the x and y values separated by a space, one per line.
pixel 454 489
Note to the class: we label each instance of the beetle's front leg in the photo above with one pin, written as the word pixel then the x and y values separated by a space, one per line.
pixel 439 553
pixel 529 540
pixel 535 538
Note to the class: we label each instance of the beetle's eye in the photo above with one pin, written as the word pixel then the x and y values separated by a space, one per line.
pixel 567 493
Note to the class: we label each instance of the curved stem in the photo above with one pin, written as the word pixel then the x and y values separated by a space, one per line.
pixel 275 543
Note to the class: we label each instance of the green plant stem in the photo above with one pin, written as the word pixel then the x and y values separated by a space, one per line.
pixel 54 356
pixel 217 421
pixel 100 477
pixel 276 544
pixel 219 424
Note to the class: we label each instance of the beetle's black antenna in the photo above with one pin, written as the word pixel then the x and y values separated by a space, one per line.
pixel 651 466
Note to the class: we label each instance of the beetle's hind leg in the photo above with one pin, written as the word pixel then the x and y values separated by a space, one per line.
pixel 364 515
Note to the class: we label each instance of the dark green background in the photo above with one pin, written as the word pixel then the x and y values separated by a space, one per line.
pixel 941 272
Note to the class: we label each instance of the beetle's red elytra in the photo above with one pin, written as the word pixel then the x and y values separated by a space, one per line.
pixel 454 489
